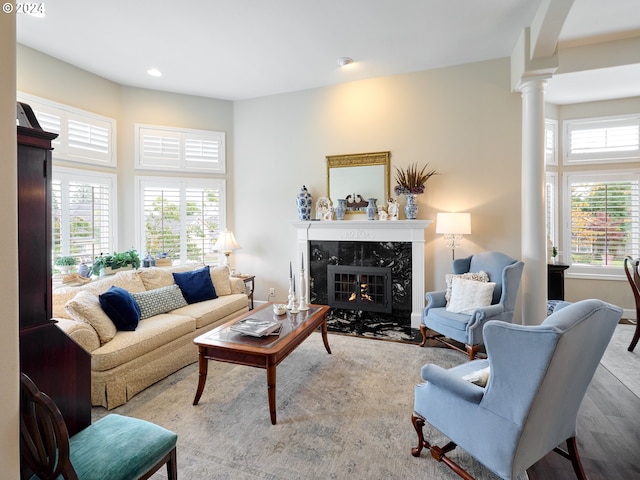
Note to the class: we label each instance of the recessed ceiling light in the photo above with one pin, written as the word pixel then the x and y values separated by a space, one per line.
pixel 154 72
pixel 344 61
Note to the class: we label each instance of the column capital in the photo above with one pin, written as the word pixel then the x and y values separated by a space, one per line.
pixel 529 84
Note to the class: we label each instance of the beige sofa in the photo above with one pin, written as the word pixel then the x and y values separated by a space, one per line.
pixel 123 363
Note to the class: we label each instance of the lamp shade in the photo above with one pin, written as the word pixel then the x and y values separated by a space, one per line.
pixel 453 223
pixel 226 242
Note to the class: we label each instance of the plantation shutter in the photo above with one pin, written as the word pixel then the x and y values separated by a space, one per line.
pixel 175 148
pixel 83 217
pixel 605 220
pixel 597 140
pixel 182 218
pixel 159 149
pixel 82 136
pixel 88 138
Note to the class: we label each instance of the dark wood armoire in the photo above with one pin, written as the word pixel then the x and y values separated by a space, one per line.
pixel 57 364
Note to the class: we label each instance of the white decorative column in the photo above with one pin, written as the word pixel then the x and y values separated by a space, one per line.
pixel 534 244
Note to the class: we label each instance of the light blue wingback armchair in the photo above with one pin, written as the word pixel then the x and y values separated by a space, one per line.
pixel 538 378
pixel 466 328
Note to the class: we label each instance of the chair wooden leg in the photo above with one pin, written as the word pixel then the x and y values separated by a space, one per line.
pixel 438 453
pixel 636 336
pixel 172 466
pixel 423 331
pixel 418 424
pixel 472 350
pixel 572 454
pixel 572 447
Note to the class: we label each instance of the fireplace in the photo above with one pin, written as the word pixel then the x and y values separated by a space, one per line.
pixel 359 288
pixel 397 245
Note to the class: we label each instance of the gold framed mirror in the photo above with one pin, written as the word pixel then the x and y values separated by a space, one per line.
pixel 357 177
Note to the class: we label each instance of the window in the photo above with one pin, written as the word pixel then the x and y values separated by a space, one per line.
pixel 550 142
pixel 551 205
pixel 181 217
pixel 604 216
pixel 169 148
pixel 83 136
pixel 83 211
pixel 600 140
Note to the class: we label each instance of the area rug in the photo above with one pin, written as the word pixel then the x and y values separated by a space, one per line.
pixel 340 416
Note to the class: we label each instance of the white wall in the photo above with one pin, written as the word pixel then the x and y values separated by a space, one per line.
pixel 9 361
pixel 463 120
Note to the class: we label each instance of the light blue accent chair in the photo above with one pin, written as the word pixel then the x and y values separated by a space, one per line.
pixel 464 328
pixel 113 448
pixel 538 378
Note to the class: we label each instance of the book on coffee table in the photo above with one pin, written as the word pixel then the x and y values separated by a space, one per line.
pixel 256 327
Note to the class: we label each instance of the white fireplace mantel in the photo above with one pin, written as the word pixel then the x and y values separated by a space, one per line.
pixel 373 231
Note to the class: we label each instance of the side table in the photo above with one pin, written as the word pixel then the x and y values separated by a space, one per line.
pixel 249 283
pixel 555 281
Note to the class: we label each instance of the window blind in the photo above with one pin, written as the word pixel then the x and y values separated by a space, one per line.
pixel 83 214
pixel 603 140
pixel 605 220
pixel 181 218
pixel 169 148
pixel 82 136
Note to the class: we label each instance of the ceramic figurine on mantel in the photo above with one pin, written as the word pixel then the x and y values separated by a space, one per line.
pixel 410 183
pixel 372 208
pixel 304 200
pixel 341 208
pixel 393 208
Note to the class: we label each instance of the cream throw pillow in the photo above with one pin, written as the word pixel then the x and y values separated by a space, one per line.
pixel 220 279
pixel 85 307
pixel 479 377
pixel 467 295
pixel 477 276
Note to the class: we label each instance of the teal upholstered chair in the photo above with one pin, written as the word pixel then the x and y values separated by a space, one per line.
pixel 113 448
pixel 538 378
pixel 466 328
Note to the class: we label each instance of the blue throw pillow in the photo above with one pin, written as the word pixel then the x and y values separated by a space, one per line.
pixel 121 308
pixel 196 286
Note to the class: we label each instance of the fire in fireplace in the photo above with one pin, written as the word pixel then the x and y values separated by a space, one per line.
pixel 359 288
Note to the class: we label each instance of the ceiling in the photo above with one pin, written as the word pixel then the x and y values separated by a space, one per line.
pixel 239 49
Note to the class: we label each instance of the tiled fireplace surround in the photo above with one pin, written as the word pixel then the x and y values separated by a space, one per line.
pixel 399 244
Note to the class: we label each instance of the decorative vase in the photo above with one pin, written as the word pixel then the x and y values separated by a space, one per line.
pixel 371 208
pixel 341 209
pixel 84 271
pixel 304 201
pixel 411 208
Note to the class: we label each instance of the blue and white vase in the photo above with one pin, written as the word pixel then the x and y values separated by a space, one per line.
pixel 411 208
pixel 341 208
pixel 372 208
pixel 304 200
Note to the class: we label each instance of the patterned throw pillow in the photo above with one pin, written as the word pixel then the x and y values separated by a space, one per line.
pixel 467 295
pixel 160 300
pixel 477 276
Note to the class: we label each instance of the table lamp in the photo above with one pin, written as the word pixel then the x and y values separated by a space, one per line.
pixel 226 244
pixel 453 226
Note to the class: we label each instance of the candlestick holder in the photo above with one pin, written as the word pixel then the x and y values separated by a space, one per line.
pixel 303 305
pixel 292 296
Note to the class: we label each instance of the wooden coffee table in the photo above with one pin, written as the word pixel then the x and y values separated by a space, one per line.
pixel 225 345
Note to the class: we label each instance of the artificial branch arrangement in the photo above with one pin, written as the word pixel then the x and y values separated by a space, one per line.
pixel 412 180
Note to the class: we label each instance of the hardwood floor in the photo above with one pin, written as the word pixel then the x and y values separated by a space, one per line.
pixel 608 435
